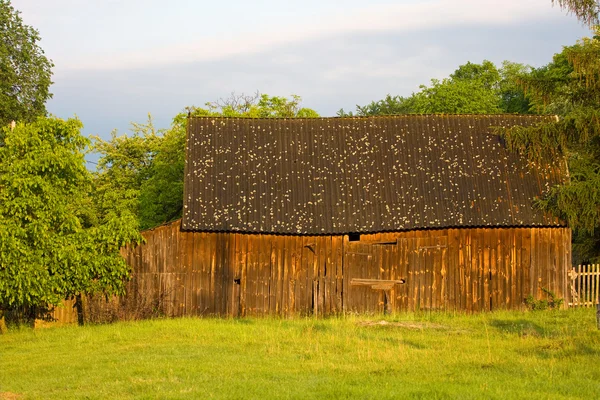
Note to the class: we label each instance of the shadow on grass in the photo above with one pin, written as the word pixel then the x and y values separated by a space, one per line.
pixel 413 344
pixel 521 327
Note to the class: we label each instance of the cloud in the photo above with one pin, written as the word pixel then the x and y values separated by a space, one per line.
pixel 391 18
pixel 341 71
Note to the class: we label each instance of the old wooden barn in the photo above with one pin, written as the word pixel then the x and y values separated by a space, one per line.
pixel 329 215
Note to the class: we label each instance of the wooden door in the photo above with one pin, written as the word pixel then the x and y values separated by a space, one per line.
pixel 374 270
pixel 370 275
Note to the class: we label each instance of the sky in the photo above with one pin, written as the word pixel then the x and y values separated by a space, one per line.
pixel 118 60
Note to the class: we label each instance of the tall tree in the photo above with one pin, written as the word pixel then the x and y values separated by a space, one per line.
pixel 570 87
pixel 145 171
pixel 25 71
pixel 471 89
pixel 586 11
pixel 53 243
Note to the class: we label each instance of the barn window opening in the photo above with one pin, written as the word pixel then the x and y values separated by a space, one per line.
pixel 354 237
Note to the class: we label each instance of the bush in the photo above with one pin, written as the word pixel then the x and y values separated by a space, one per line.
pixel 544 304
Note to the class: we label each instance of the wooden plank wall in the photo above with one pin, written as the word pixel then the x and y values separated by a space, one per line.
pixel 66 313
pixel 233 274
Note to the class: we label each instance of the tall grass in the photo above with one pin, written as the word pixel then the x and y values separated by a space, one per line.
pixel 423 355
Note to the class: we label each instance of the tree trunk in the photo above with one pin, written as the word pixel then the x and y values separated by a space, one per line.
pixel 79 308
pixel 3 328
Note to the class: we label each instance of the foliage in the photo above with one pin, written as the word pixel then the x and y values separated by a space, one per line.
pixel 551 303
pixel 390 105
pixel 471 89
pixel 54 244
pixel 587 11
pixel 407 356
pixel 143 173
pixel 255 106
pixel 570 87
pixel 123 168
pixel 25 71
pixel 512 96
pixel 161 194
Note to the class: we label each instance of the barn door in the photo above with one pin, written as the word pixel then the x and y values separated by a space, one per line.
pixel 369 275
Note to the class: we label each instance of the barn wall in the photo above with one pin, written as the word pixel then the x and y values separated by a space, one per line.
pixel 451 269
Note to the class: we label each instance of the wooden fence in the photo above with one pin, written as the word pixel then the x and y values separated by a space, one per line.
pixel 584 285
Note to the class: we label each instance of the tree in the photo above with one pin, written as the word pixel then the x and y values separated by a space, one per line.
pixel 570 87
pixel 513 99
pixel 471 89
pixel 25 71
pixel 123 167
pixel 390 105
pixel 53 242
pixel 255 106
pixel 457 96
pixel 161 194
pixel 144 172
pixel 587 11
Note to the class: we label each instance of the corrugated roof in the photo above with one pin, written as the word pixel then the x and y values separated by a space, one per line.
pixel 376 174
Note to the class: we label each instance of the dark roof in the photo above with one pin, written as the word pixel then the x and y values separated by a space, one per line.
pixel 375 174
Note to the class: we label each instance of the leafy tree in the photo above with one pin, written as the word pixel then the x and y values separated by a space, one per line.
pixel 586 11
pixel 145 171
pixel 25 71
pixel 570 87
pixel 390 105
pixel 471 89
pixel 123 168
pixel 457 96
pixel 255 106
pixel 161 194
pixel 53 242
pixel 512 96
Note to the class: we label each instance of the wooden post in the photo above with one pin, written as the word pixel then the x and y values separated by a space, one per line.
pixel 598 313
pixel 315 298
pixel 387 305
pixel 597 296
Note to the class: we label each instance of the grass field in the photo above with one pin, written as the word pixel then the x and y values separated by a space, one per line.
pixel 535 355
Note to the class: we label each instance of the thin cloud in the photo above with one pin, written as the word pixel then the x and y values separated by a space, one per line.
pixel 389 18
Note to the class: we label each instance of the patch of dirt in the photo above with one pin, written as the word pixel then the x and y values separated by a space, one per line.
pixel 406 325
pixel 10 396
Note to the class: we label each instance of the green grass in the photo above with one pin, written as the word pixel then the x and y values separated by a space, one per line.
pixel 535 355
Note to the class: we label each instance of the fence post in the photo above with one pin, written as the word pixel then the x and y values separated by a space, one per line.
pixel 597 268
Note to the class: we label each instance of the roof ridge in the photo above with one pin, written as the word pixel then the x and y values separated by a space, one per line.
pixel 377 116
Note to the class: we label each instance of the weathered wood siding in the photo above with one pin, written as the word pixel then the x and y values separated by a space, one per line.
pixel 250 274
pixel 65 314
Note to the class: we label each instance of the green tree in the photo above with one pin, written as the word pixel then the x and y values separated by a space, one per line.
pixel 513 99
pixel 390 105
pixel 53 242
pixel 586 11
pixel 255 106
pixel 161 194
pixel 125 164
pixel 25 71
pixel 570 87
pixel 471 89
pixel 145 171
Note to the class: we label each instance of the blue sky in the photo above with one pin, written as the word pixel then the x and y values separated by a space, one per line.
pixel 117 61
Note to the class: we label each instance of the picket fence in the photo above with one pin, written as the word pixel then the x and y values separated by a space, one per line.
pixel 584 282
